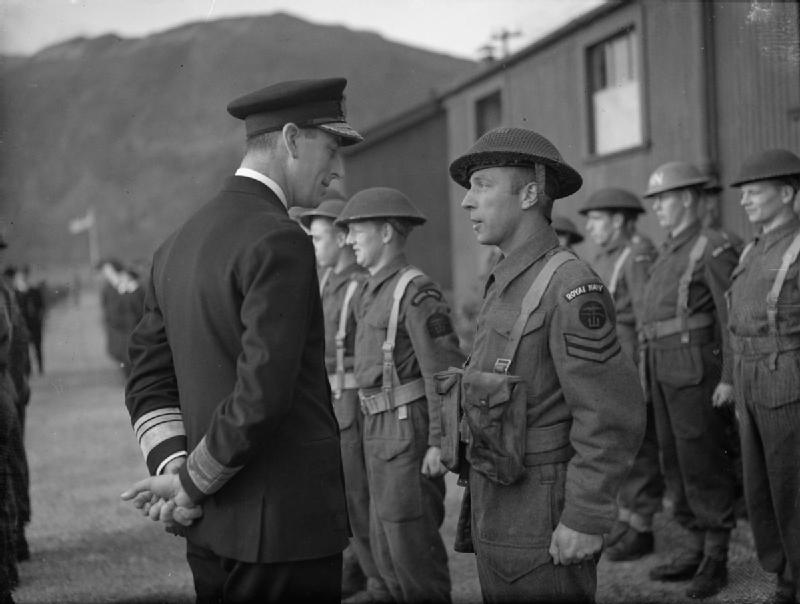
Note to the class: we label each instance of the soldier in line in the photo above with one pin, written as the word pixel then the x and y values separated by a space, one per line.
pixel 404 335
pixel 8 424
pixel 623 263
pixel 684 333
pixel 341 276
pixel 566 231
pixel 764 324
pixel 30 299
pixel 711 216
pixel 538 531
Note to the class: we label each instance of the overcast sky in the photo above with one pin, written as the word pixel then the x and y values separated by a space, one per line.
pixel 456 27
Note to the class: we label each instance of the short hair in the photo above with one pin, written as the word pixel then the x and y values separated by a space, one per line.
pixel 628 216
pixel 523 175
pixel 401 226
pixel 268 141
pixel 792 181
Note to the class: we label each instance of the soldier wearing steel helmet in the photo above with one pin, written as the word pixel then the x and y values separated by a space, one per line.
pixel 623 262
pixel 404 335
pixel 540 502
pixel 764 325
pixel 340 277
pixel 686 365
pixel 566 231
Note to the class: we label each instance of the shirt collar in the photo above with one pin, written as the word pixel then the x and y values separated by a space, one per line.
pixel 266 181
pixel 336 279
pixel 510 267
pixel 777 234
pixel 388 271
pixel 689 233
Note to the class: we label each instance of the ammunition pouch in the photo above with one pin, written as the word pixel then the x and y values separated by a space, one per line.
pixel 494 406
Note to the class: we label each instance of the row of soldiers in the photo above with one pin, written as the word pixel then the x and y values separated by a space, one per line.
pixel 703 325
pixel 122 306
pixel 15 369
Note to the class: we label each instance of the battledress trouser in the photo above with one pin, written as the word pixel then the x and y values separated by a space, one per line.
pixel 695 447
pixel 511 531
pixel 347 409
pixel 407 508
pixel 768 408
pixel 643 489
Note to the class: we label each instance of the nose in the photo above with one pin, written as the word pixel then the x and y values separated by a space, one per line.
pixel 337 166
pixel 468 203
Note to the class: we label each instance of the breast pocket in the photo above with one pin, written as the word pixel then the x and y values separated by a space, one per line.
pixel 502 323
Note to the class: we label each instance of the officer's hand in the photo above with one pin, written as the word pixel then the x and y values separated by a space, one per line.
pixel 173 465
pixel 165 486
pixel 432 464
pixel 723 395
pixel 568 546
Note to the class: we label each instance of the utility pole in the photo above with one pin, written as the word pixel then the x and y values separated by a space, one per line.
pixel 503 36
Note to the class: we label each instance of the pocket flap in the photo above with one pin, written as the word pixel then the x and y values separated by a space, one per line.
pixel 513 563
pixel 445 380
pixel 484 388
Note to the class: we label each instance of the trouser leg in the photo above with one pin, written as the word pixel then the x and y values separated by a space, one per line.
pixel 407 507
pixel 642 491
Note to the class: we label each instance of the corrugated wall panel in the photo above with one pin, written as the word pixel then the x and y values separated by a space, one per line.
pixel 758 87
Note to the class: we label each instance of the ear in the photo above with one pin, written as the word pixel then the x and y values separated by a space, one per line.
pixel 291 134
pixel 387 232
pixel 341 238
pixel 787 194
pixel 529 195
pixel 617 220
pixel 688 198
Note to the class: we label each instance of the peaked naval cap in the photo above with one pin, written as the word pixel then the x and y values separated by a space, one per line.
pixel 509 147
pixel 774 163
pixel 674 175
pixel 306 103
pixel 611 199
pixel 380 203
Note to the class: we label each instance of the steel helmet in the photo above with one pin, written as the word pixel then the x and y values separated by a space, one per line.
pixel 379 203
pixel 329 208
pixel 611 199
pixel 674 175
pixel 774 163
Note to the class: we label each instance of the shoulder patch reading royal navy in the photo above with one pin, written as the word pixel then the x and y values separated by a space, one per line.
pixel 598 350
pixel 423 294
pixel 586 288
pixel 439 325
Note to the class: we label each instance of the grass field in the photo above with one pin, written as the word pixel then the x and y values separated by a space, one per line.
pixel 88 546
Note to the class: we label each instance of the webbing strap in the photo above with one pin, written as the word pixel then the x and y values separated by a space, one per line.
pixel 530 303
pixel 341 334
pixel 612 284
pixel 789 256
pixel 746 251
pixel 697 251
pixel 324 280
pixel 390 377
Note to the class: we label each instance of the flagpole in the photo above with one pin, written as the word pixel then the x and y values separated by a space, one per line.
pixel 94 246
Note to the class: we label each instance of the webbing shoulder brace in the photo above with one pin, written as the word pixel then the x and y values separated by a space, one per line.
pixel 612 283
pixel 390 379
pixel 341 334
pixel 682 308
pixel 789 257
pixel 530 303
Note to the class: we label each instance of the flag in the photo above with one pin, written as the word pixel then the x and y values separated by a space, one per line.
pixel 82 223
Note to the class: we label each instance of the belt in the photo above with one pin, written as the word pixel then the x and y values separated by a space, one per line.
pixel 756 345
pixel 670 327
pixel 548 445
pixel 378 400
pixel 349 381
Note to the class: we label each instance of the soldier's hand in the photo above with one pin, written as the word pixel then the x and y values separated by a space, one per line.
pixel 723 395
pixel 568 546
pixel 432 464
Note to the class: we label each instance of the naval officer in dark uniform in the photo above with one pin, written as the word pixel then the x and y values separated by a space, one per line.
pixel 228 365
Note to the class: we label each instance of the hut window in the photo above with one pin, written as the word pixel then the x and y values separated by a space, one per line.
pixel 488 113
pixel 615 95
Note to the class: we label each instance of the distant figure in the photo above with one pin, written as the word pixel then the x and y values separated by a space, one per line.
pixel 566 231
pixel 122 301
pixel 31 303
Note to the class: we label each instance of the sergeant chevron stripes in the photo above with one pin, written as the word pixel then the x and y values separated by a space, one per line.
pixel 598 350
